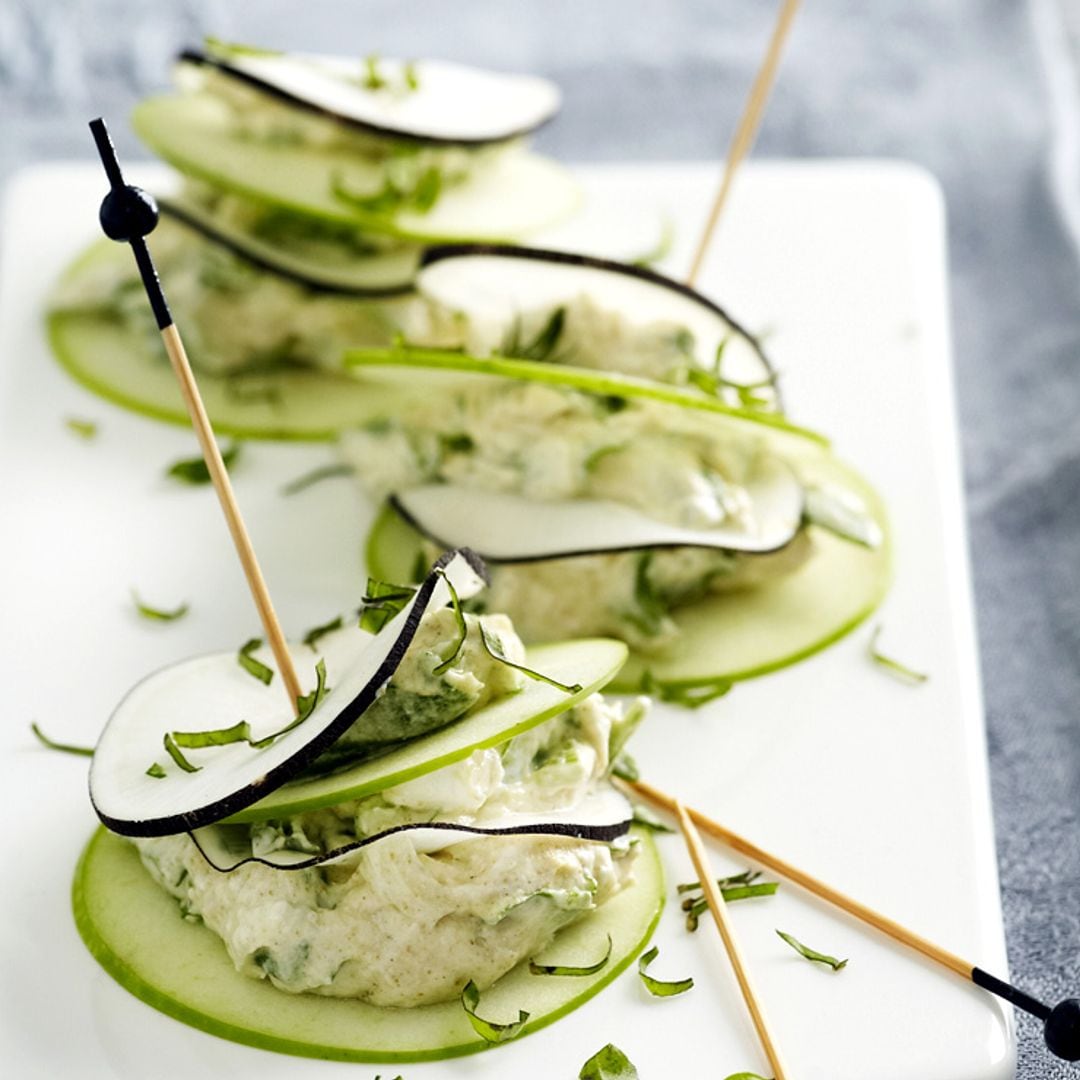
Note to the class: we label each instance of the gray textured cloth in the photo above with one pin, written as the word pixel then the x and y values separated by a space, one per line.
pixel 960 87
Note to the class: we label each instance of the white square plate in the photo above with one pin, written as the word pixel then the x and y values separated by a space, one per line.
pixel 875 786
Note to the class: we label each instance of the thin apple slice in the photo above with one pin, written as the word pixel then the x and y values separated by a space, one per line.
pixel 138 791
pixel 509 196
pixel 135 931
pixel 586 665
pixel 432 101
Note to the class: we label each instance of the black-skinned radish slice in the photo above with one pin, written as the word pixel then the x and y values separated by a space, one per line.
pixel 431 101
pixel 494 284
pixel 213 693
pixel 510 528
pixel 603 815
pixel 382 274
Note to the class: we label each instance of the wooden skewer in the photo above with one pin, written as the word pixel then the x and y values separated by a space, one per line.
pixel 1061 1022
pixel 128 214
pixel 743 139
pixel 718 907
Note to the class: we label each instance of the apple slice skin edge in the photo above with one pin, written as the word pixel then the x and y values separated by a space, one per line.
pixel 111 861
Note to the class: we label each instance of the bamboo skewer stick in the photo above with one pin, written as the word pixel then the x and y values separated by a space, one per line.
pixel 718 907
pixel 745 133
pixel 1061 1022
pixel 129 214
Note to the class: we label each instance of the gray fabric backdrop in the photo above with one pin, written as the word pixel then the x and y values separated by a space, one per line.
pixel 982 93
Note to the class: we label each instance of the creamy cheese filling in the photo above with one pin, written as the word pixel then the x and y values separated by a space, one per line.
pixel 237 319
pixel 395 925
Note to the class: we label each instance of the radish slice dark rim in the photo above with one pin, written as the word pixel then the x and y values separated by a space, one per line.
pixel 441 252
pixel 242 797
pixel 570 830
pixel 201 59
pixel 207 231
pixel 395 502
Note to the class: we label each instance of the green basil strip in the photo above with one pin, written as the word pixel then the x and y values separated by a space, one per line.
pixel 381 603
pixel 812 954
pixel 745 878
pixel 659 987
pixel 462 629
pixel 175 753
pixel 497 654
pixel 317 476
pixel 67 748
pixel 158 614
pixel 312 637
pixel 234 49
pixel 608 1064
pixel 195 470
pixel 895 667
pixel 85 429
pixel 252 666
pixel 626 768
pixel 696 907
pixel 542 346
pixel 690 697
pixel 564 969
pixel 645 817
pixel 488 1029
pixel 156 771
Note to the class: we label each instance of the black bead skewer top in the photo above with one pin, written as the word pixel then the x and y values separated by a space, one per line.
pixel 128 215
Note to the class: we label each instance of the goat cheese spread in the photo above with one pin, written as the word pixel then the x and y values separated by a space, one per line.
pixel 548 443
pixel 397 923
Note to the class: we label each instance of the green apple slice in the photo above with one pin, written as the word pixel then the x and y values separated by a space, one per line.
pixel 740 634
pixel 509 196
pixel 137 934
pixel 589 664
pixel 124 366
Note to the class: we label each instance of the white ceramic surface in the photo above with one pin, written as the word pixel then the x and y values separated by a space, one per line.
pixel 876 786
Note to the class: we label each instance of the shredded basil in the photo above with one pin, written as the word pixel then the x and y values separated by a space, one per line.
pixel 488 1029
pixel 311 638
pixel 67 748
pixel 745 878
pixel 316 476
pixel 178 741
pixel 497 654
pixel 412 76
pixel 644 817
pixel 373 80
pixel 894 667
pixel 195 470
pixel 744 886
pixel 156 771
pixel 690 697
pixel 85 429
pixel 158 614
pixel 658 987
pixel 393 197
pixel 382 602
pixel 610 1063
pixel 252 666
pixel 542 346
pixel 462 629
pixel 625 768
pixel 564 969
pixel 176 754
pixel 812 954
